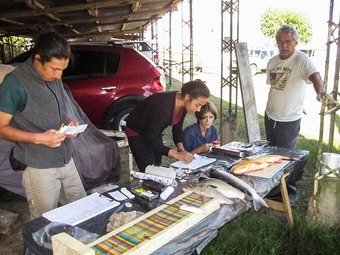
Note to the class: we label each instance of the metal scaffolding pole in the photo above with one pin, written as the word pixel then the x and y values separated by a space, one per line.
pixel 229 78
pixel 187 41
pixel 167 52
pixel 154 40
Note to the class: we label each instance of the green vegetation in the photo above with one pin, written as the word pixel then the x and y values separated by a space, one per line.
pixel 266 231
pixel 12 46
pixel 273 19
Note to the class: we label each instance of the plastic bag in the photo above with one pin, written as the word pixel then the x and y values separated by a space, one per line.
pixel 43 237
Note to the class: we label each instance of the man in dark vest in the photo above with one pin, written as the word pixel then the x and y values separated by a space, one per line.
pixel 32 109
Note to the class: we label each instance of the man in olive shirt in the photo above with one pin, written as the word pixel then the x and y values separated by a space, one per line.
pixel 32 108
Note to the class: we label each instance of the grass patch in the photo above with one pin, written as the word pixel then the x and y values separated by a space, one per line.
pixel 266 231
pixel 263 233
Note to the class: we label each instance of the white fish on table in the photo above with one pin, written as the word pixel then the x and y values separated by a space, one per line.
pixel 224 188
pixel 233 180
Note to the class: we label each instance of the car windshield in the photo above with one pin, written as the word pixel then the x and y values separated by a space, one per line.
pixel 255 53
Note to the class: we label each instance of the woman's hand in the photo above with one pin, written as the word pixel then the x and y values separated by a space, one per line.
pixel 180 147
pixel 205 147
pixel 184 156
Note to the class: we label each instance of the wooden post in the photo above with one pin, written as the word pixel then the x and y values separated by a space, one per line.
pixel 247 91
pixel 228 129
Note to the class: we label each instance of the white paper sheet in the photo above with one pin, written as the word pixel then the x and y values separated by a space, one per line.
pixel 70 130
pixel 81 210
pixel 198 162
pixel 117 195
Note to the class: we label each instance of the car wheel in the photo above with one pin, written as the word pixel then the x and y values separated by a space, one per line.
pixel 119 122
pixel 253 69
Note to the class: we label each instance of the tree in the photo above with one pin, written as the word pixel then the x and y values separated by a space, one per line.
pixel 11 46
pixel 273 19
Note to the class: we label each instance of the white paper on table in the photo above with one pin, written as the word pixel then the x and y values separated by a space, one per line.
pixel 117 195
pixel 198 162
pixel 81 210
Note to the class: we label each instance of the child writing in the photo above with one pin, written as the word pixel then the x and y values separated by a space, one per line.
pixel 199 136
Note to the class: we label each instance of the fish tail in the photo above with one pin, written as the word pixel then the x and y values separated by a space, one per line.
pixel 257 203
pixel 291 159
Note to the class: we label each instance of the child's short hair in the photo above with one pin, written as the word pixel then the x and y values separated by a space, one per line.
pixel 208 107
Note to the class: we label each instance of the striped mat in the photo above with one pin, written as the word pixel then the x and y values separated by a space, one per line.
pixel 148 227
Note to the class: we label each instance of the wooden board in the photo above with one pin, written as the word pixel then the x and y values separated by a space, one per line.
pixel 64 244
pixel 148 232
pixel 247 91
pixel 269 171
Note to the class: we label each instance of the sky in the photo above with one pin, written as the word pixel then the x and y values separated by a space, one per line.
pixel 316 11
pixel 250 12
pixel 207 24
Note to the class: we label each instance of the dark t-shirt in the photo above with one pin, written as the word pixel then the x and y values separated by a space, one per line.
pixel 13 96
pixel 193 136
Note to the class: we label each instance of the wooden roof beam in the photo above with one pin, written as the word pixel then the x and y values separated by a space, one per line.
pixel 70 8
pixel 36 5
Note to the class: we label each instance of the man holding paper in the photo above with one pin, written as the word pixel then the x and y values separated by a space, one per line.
pixel 32 110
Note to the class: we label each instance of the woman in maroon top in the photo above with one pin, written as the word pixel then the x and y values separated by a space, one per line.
pixel 147 121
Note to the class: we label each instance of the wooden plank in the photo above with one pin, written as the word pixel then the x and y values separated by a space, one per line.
pixel 286 202
pixel 64 244
pixel 283 206
pixel 247 91
pixel 113 133
pixel 275 205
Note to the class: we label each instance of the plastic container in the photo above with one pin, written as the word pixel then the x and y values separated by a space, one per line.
pixel 167 192
pixel 216 144
pixel 332 160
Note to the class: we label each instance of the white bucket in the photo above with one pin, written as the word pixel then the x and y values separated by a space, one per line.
pixel 332 160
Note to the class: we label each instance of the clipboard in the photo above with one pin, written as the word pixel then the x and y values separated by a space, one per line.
pixel 198 162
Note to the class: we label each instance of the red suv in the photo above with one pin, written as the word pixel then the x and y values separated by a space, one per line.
pixel 108 81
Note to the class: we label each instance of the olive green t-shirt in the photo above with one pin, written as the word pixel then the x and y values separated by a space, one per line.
pixel 13 96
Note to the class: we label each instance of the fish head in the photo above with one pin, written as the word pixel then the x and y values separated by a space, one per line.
pixel 241 167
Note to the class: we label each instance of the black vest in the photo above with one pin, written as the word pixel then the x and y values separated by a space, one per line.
pixel 45 109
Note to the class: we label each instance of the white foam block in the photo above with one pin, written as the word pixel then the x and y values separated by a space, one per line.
pixel 161 171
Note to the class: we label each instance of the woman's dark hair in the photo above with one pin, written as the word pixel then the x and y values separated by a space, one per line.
pixel 195 89
pixel 208 107
pixel 51 45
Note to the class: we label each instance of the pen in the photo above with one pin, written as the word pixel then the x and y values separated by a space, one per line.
pixel 60 128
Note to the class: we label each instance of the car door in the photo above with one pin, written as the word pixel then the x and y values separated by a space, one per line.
pixel 93 77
